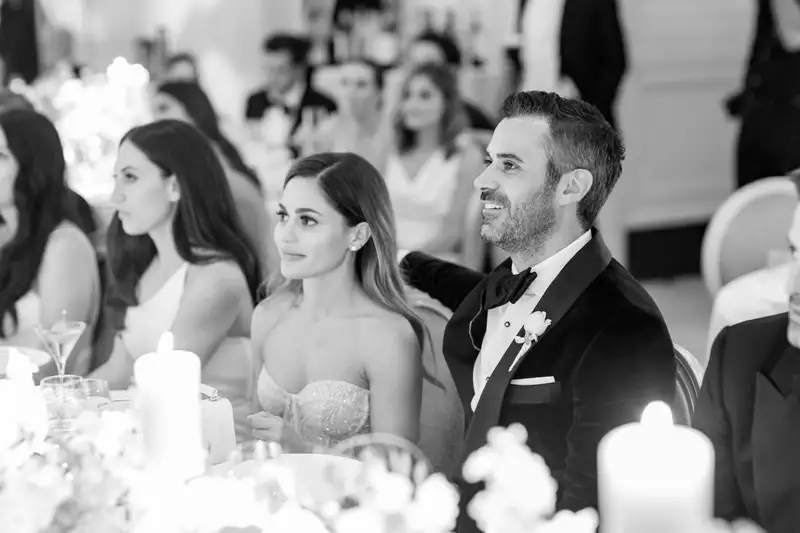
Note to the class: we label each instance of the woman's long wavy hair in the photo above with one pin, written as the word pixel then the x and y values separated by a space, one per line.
pixel 206 227
pixel 356 190
pixel 454 119
pixel 200 109
pixel 42 201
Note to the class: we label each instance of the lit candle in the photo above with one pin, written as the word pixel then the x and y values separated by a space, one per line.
pixel 19 368
pixel 168 404
pixel 655 476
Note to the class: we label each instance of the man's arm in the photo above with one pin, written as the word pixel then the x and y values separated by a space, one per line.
pixel 629 364
pixel 710 418
pixel 447 282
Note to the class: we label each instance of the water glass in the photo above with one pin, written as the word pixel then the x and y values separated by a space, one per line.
pixel 64 396
pixel 97 392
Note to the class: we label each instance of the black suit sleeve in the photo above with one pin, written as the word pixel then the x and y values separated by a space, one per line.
pixel 711 418
pixel 443 281
pixel 611 46
pixel 629 364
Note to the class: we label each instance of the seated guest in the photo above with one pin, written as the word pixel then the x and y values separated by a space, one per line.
pixel 287 83
pixel 358 126
pixel 761 293
pixel 179 260
pixel 183 67
pixel 749 408
pixel 433 47
pixel 188 102
pixel 429 173
pixel 48 267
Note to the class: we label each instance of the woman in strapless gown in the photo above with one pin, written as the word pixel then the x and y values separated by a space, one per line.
pixel 179 261
pixel 339 348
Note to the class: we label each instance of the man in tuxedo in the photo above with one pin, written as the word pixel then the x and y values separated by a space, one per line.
pixel 605 352
pixel 749 407
pixel 288 82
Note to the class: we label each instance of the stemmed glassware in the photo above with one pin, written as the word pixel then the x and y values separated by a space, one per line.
pixel 60 339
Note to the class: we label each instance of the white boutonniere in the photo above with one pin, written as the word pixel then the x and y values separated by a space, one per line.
pixel 535 326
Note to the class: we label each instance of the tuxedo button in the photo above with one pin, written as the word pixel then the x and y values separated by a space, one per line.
pixel 507 324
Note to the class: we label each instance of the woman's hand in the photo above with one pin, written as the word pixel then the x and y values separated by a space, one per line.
pixel 267 426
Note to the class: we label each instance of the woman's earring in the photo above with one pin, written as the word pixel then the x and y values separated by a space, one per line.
pixel 353 248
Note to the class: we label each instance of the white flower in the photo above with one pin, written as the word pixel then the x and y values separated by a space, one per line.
pixel 291 517
pixel 536 324
pixel 23 413
pixel 360 520
pixel 435 506
pixel 584 521
pixel 392 491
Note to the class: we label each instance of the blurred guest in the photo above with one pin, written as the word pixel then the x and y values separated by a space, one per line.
pixel 186 101
pixel 359 126
pixel 429 173
pixel 183 67
pixel 431 47
pixel 748 407
pixel 48 267
pixel 574 46
pixel 19 39
pixel 769 103
pixel 179 260
pixel 287 85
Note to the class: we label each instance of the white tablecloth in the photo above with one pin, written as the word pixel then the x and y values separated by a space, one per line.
pixel 755 295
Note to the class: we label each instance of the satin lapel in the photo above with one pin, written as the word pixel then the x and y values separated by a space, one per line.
pixel 571 282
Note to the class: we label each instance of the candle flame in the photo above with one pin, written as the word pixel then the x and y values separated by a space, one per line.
pixel 657 414
pixel 166 344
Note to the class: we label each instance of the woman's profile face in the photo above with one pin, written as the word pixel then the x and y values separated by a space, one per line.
pixel 9 168
pixel 168 107
pixel 312 237
pixel 144 198
pixel 422 104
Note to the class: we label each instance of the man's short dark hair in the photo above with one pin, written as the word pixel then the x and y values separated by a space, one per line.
pixel 450 50
pixel 579 138
pixel 296 47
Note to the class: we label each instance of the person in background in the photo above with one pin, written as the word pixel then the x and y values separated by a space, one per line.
pixel 428 170
pixel 183 67
pixel 287 83
pixel 359 126
pixel 761 293
pixel 48 267
pixel 749 409
pixel 431 47
pixel 179 261
pixel 768 104
pixel 186 101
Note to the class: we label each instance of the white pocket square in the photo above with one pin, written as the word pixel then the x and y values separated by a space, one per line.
pixel 534 381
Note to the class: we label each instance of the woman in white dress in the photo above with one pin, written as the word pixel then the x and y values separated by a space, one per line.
pixel 179 260
pixel 48 267
pixel 339 349
pixel 432 167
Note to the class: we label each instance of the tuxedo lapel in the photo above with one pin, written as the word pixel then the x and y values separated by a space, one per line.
pixel 559 297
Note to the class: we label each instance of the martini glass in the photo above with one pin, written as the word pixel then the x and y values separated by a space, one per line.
pixel 60 339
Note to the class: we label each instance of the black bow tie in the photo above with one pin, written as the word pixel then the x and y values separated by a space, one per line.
pixel 503 287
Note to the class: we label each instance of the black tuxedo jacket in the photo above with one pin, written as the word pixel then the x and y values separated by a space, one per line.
pixel 607 348
pixel 749 407
pixel 259 102
pixel 593 51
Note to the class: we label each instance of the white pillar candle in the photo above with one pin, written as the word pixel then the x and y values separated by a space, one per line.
pixel 168 404
pixel 656 477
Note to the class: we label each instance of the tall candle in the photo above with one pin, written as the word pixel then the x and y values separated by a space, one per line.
pixel 656 477
pixel 168 404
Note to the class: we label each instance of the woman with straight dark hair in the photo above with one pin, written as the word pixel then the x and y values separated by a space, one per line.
pixel 339 348
pixel 48 267
pixel 179 259
pixel 186 101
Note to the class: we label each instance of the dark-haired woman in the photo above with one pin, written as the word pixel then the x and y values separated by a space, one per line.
pixel 179 259
pixel 48 267
pixel 186 101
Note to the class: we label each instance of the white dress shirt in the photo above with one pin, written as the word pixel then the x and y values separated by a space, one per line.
pixel 504 322
pixel 787 23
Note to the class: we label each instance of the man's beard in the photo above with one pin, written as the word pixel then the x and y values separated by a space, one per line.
pixel 527 226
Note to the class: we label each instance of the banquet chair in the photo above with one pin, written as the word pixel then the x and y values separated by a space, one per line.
pixel 750 224
pixel 689 377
